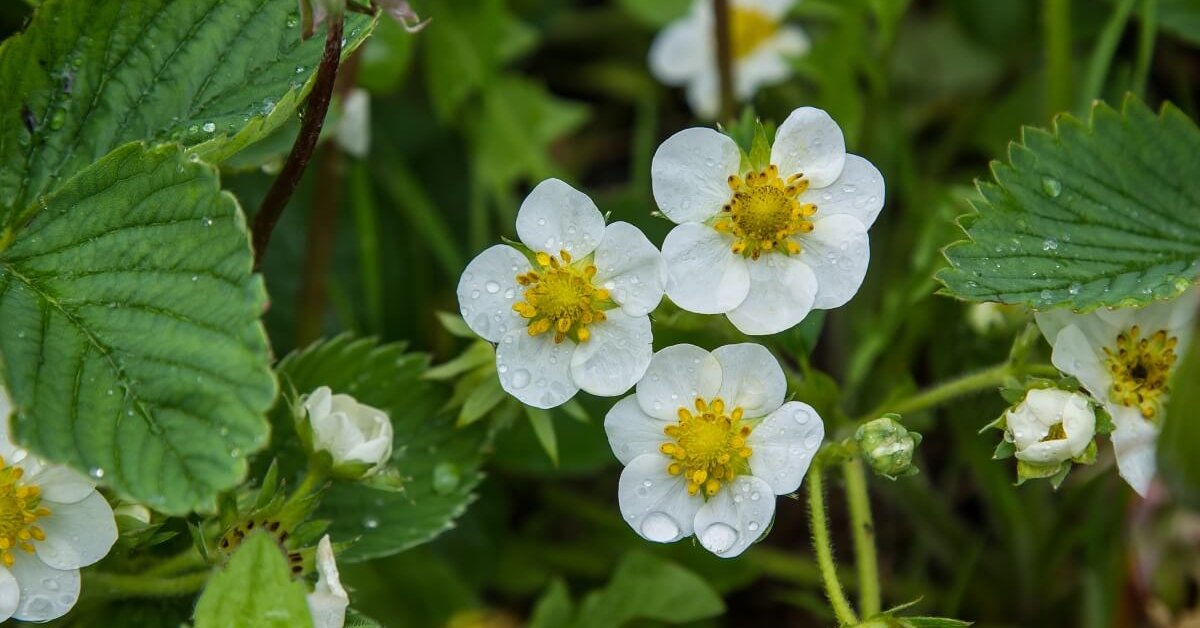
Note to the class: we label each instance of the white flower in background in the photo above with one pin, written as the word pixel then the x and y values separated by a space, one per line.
pixel 1051 426
pixel 357 437
pixel 685 52
pixel 328 601
pixel 1124 358
pixel 707 443
pixel 353 129
pixel 571 313
pixel 52 522
pixel 766 247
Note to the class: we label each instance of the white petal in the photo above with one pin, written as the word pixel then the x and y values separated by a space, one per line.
pixel 770 63
pixel 487 290
pixel 10 594
pixel 631 269
pixel 676 376
pixel 858 192
pixel 1134 441
pixel 78 534
pixel 838 251
pixel 679 51
pixel 46 593
pixel 810 142
pixel 616 355
pixel 1041 409
pixel 736 516
pixel 1050 322
pixel 632 432
pixel 704 93
pixel 784 445
pixel 782 292
pixel 703 274
pixel 556 216
pixel 62 484
pixel 535 369
pixel 1074 354
pixel 655 503
pixel 353 130
pixel 690 174
pixel 751 379
pixel 328 601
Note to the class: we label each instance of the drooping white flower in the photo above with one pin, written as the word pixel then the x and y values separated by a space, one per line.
pixel 52 522
pixel 707 442
pixel 328 601
pixel 571 313
pixel 1124 358
pixel 685 52
pixel 766 247
pixel 357 437
pixel 1051 426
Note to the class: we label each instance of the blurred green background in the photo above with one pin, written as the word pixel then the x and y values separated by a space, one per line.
pixel 495 95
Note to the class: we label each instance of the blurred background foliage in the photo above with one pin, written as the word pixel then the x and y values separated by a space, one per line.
pixel 495 95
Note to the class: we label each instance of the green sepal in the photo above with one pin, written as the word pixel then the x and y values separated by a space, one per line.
pixel 760 148
pixel 1004 450
pixel 308 533
pixel 198 540
pixel 269 486
pixel 1104 421
pixel 1088 456
pixel 1033 471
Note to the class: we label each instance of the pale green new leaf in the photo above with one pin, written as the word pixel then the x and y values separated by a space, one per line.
pixel 438 464
pixel 131 337
pixel 1099 214
pixel 255 590
pixel 86 77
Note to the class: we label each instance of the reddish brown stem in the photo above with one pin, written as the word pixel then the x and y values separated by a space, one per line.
pixel 310 130
pixel 724 59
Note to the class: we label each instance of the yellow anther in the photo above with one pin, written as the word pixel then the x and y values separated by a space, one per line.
pixel 583 334
pixel 562 297
pixel 699 476
pixel 707 445
pixel 711 487
pixel 764 213
pixel 1141 369
pixel 543 259
pixel 20 509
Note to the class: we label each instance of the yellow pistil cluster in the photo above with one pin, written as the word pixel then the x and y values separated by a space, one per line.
pixel 709 446
pixel 765 212
pixel 560 296
pixel 748 30
pixel 1140 368
pixel 1057 432
pixel 20 508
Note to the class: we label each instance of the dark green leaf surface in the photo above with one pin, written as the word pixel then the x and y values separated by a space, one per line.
pixel 439 464
pixel 255 590
pixel 1092 215
pixel 131 335
pixel 647 587
pixel 91 76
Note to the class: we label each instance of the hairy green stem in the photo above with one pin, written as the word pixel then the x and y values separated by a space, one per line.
pixel 992 377
pixel 863 527
pixel 119 585
pixel 824 548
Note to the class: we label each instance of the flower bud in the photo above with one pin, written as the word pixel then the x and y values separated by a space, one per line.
pixel 887 446
pixel 357 437
pixel 1050 426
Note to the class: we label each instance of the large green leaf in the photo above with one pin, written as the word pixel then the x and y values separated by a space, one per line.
pixel 131 340
pixel 255 590
pixel 1090 215
pixel 647 587
pixel 439 464
pixel 89 76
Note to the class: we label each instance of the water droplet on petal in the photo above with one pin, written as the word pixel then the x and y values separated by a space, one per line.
pixel 659 527
pixel 718 538
pixel 492 287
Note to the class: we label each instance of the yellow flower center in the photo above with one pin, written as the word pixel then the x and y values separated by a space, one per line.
pixel 1140 368
pixel 709 446
pixel 1057 432
pixel 20 508
pixel 765 212
pixel 560 295
pixel 748 30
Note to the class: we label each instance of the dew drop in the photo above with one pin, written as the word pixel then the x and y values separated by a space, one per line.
pixel 492 287
pixel 718 538
pixel 96 472
pixel 1051 187
pixel 209 127
pixel 520 379
pixel 370 523
pixel 50 584
pixel 659 527
pixel 752 526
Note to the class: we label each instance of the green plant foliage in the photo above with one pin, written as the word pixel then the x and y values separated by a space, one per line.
pixel 86 77
pixel 439 465
pixel 254 590
pixel 131 342
pixel 1177 458
pixel 1089 215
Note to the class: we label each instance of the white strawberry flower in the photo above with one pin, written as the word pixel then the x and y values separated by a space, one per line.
pixel 707 443
pixel 571 312
pixel 1050 426
pixel 685 52
pixel 328 600
pixel 52 522
pixel 357 437
pixel 766 247
pixel 1124 358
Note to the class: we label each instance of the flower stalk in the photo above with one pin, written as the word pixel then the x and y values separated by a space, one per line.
pixel 863 528
pixel 823 547
pixel 724 38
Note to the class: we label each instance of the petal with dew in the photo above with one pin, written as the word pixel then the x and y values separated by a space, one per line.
pixel 858 192
pixel 631 432
pixel 736 517
pixel 838 252
pixel 535 369
pixel 631 269
pixel 751 379
pixel 809 142
pixel 655 503
pixel 556 216
pixel 78 534
pixel 690 174
pixel 703 274
pixel 784 445
pixel 677 375
pixel 615 356
pixel 782 292
pixel 488 289
pixel 46 593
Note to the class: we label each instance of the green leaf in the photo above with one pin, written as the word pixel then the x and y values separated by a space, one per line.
pixel 647 587
pixel 657 13
pixel 132 344
pixel 1181 18
pixel 482 399
pixel 213 74
pixel 254 590
pixel 554 608
pixel 439 464
pixel 933 622
pixel 1177 459
pixel 542 423
pixel 1092 215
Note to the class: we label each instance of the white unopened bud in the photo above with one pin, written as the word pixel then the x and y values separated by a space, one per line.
pixel 356 436
pixel 1051 426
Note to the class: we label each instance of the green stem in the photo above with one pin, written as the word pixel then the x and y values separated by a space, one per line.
pixel 861 523
pixel 1102 54
pixel 1056 28
pixel 1145 53
pixel 724 38
pixel 992 377
pixel 824 548
pixel 119 585
pixel 186 560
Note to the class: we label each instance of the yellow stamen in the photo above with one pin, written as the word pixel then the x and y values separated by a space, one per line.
pixel 1141 368
pixel 764 213
pixel 562 297
pixel 708 445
